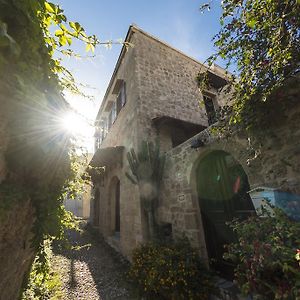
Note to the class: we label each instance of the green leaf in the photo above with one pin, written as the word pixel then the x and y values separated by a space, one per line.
pixel 78 27
pixel 59 32
pixel 89 47
pixel 62 40
pixel 72 25
pixel 69 40
pixel 63 27
pixel 251 23
pixel 222 54
pixel 49 7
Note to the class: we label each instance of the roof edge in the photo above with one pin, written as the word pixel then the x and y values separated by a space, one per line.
pixel 134 28
pixel 123 51
pixel 168 45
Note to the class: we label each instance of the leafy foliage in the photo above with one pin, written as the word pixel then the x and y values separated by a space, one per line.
pixel 265 261
pixel 54 20
pixel 261 38
pixel 172 271
pixel 43 282
pixel 41 159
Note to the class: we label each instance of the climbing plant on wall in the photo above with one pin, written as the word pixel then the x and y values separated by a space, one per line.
pixel 40 157
pixel 260 39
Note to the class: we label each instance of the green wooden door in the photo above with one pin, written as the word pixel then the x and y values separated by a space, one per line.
pixel 222 189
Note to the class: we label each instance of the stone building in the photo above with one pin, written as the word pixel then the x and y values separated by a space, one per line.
pixel 153 93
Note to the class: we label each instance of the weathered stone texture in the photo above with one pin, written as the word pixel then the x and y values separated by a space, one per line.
pixel 16 221
pixel 122 133
pixel 161 82
pixel 274 166
pixel 167 84
pixel 16 253
pixel 3 140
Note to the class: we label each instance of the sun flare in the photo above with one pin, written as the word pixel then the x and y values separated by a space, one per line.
pixel 76 125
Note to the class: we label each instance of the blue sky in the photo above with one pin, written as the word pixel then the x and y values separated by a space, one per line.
pixel 177 22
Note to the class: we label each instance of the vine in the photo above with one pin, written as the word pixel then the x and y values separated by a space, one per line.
pixel 41 159
pixel 261 39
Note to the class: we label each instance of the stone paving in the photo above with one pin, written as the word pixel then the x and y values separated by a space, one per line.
pixel 91 270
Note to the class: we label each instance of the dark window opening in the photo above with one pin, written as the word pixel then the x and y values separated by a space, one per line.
pixel 179 136
pixel 175 130
pixel 114 108
pixel 210 109
pixel 121 99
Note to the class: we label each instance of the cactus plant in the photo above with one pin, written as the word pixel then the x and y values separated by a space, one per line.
pixel 147 170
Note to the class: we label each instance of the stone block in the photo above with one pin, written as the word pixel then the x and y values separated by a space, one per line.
pixel 190 221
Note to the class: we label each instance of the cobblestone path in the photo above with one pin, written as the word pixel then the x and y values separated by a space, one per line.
pixel 92 272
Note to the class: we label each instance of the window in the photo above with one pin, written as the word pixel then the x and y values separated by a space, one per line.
pixel 116 106
pixel 210 109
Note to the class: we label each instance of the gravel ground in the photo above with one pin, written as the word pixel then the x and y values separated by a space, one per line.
pixel 94 271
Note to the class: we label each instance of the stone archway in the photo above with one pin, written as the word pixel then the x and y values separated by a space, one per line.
pixel 222 186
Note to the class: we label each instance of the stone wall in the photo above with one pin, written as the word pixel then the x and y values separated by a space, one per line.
pixel 16 254
pixel 130 213
pixel 3 144
pixel 168 87
pixel 167 80
pixel 276 165
pixel 122 133
pixel 16 221
pixel 160 81
pixel 33 158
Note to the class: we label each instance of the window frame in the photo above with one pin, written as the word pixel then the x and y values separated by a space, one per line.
pixel 121 98
pixel 209 100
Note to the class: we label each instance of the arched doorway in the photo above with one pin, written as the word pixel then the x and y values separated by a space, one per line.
pixel 222 186
pixel 96 207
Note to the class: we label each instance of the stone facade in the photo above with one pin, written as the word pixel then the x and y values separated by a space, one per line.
pixel 276 165
pixel 164 102
pixel 160 83
pixel 16 221
pixel 15 247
